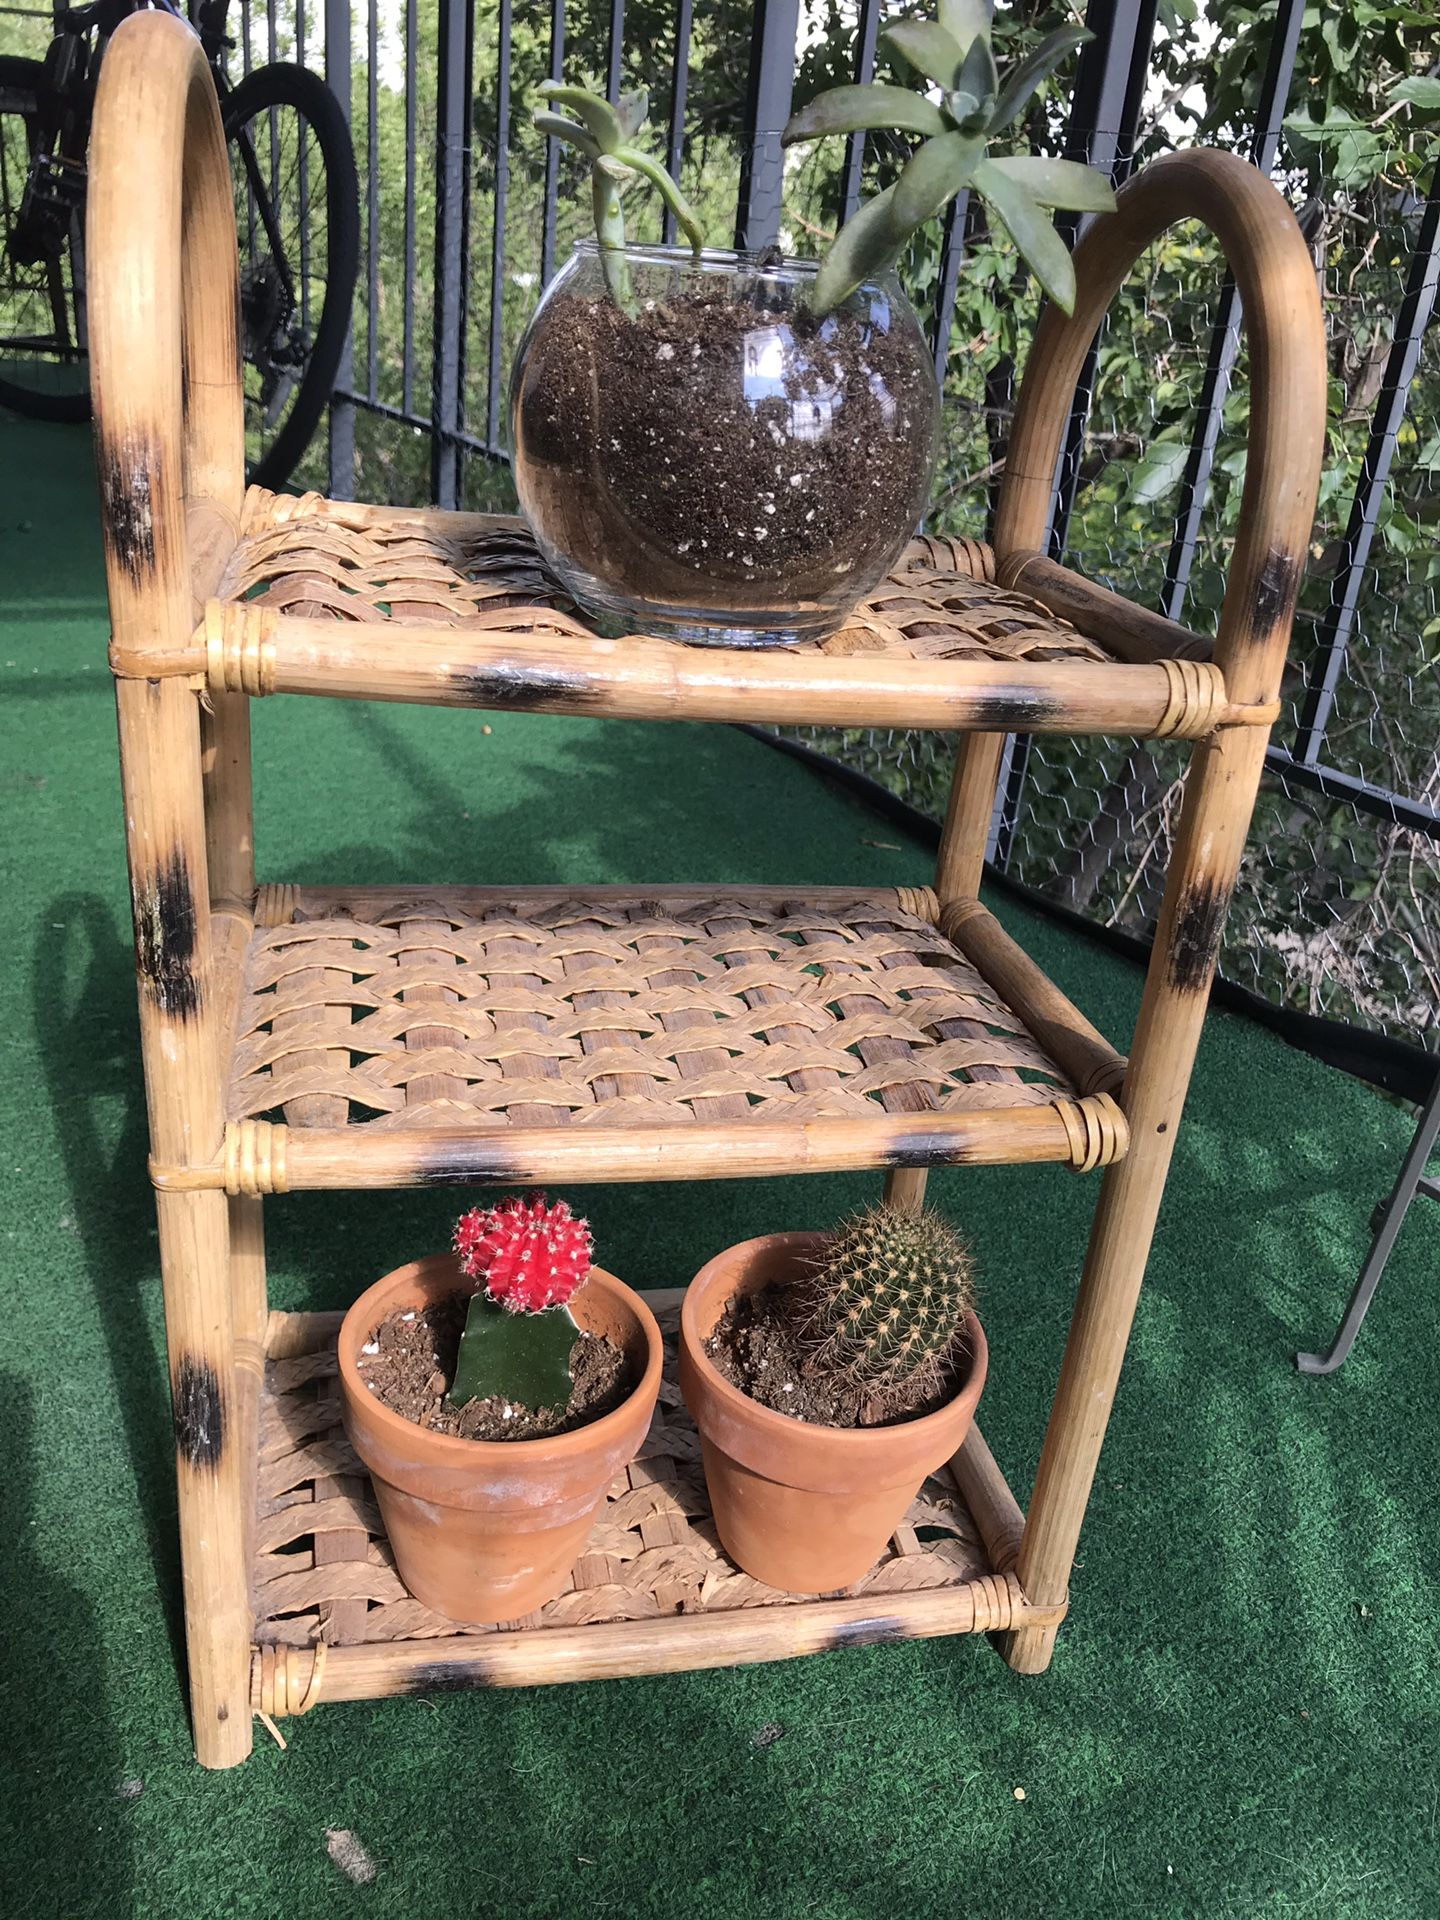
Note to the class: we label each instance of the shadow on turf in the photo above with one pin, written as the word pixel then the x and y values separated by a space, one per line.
pixel 84 1013
pixel 63 1769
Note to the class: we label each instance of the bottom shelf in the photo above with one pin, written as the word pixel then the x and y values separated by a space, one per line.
pixel 653 1593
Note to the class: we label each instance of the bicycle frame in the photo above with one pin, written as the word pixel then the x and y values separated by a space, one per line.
pixel 55 188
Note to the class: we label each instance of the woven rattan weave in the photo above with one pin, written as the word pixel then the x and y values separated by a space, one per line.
pixel 620 1013
pixel 321 559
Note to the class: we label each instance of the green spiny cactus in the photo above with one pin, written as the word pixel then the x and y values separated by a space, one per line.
pixel 952 55
pixel 888 1300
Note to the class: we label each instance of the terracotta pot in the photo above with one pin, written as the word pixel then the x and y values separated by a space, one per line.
pixel 804 1508
pixel 487 1530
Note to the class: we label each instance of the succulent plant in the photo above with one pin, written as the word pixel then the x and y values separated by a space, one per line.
pixel 606 135
pixel 530 1259
pixel 887 1301
pixel 952 54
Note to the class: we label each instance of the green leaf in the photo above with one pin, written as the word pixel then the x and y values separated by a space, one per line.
pixel 854 109
pixel 933 175
pixel 598 115
pixel 1059 183
pixel 1421 90
pixel 1159 470
pixel 964 20
pixel 632 110
pixel 974 88
pixel 557 127
pixel 1041 247
pixel 928 48
pixel 515 1356
pixel 864 246
pixel 1035 68
pixel 650 169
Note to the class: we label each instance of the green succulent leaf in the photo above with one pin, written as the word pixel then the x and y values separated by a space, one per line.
pixel 616 167
pixel 964 20
pixel 933 175
pixel 855 109
pixel 1059 183
pixel 557 127
pixel 928 48
pixel 1037 67
pixel 864 246
pixel 598 115
pixel 975 86
pixel 641 163
pixel 1041 247
pixel 632 111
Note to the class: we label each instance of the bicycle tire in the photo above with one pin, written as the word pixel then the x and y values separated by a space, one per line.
pixel 285 85
pixel 22 76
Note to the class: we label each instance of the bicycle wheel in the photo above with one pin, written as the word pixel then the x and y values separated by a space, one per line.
pixel 44 369
pixel 297 215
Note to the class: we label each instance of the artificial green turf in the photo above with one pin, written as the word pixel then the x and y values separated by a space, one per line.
pixel 1241 1718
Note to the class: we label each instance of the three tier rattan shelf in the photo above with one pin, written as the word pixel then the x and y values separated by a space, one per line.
pixel 350 1036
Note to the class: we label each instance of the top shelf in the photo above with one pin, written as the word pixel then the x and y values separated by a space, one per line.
pixel 454 609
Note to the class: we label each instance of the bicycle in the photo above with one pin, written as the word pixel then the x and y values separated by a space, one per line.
pixel 291 155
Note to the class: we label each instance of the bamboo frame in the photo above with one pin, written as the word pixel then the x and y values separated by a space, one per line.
pixel 262 652
pixel 1276 277
pixel 1129 632
pixel 171 465
pixel 168 420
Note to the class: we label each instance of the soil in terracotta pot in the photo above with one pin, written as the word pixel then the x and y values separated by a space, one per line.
pixel 757 1346
pixel 724 437
pixel 413 1362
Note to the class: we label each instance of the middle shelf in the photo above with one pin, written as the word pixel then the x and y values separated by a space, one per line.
pixel 419 1036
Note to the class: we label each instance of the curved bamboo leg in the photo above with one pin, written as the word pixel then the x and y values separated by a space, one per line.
pixel 165 380
pixel 179 1018
pixel 1219 795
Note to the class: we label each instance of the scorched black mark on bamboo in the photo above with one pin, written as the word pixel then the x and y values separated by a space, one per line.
pixel 508 683
pixel 165 933
pixel 1199 923
pixel 199 1413
pixel 924 1150
pixel 128 518
pixel 1274 593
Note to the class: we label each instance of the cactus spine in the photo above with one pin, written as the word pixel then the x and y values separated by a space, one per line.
pixel 889 1298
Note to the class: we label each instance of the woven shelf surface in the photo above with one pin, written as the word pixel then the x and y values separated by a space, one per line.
pixel 324 1572
pixel 317 559
pixel 445 1011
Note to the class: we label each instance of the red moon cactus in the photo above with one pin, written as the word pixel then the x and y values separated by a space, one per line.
pixel 529 1255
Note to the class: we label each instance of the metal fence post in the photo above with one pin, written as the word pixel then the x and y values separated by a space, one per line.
pixel 767 108
pixel 1104 118
pixel 1225 335
pixel 679 95
pixel 342 411
pixel 452 246
pixel 497 232
pixel 1416 312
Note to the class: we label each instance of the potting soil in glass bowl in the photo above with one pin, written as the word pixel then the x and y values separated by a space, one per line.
pixel 700 457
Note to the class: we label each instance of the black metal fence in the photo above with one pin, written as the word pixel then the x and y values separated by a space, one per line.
pixel 467 214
